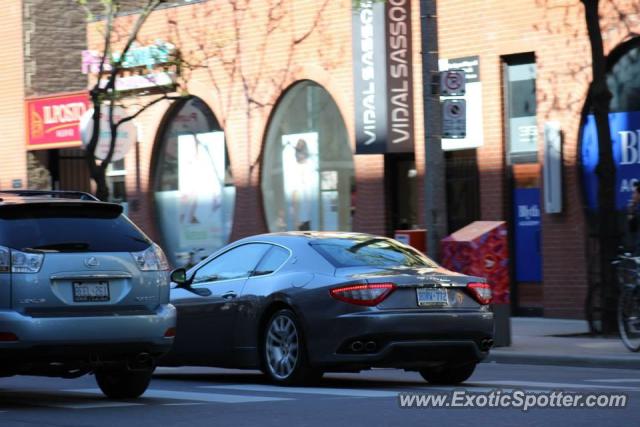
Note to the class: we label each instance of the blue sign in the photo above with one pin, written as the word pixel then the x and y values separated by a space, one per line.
pixel 625 134
pixel 528 260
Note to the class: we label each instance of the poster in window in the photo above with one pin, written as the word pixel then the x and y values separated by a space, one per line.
pixel 301 180
pixel 201 174
pixel 330 203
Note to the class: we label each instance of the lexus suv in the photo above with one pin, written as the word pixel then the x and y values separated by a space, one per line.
pixel 82 290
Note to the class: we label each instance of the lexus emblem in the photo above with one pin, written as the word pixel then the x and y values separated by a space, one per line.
pixel 91 261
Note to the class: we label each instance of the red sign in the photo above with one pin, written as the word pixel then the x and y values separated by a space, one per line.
pixel 54 121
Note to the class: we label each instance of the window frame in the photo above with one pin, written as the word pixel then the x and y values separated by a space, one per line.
pixel 279 267
pixel 217 255
pixel 526 58
pixel 272 137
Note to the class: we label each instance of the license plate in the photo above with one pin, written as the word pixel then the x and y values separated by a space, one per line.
pixel 90 291
pixel 432 296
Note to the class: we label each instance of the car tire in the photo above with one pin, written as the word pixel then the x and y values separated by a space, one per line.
pixel 123 383
pixel 284 353
pixel 448 374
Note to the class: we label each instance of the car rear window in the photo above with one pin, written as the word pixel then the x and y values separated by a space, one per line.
pixel 76 227
pixel 369 251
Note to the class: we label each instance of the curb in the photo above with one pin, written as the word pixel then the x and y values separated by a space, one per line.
pixel 612 362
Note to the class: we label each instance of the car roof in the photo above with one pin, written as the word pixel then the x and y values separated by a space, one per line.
pixel 282 236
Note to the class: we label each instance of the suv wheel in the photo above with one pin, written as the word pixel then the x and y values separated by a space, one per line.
pixel 448 373
pixel 284 353
pixel 123 383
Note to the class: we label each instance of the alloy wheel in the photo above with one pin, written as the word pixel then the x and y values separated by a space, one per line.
pixel 282 346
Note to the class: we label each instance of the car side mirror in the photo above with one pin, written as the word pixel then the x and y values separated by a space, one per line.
pixel 179 277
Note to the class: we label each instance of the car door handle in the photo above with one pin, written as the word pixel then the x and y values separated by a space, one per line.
pixel 229 295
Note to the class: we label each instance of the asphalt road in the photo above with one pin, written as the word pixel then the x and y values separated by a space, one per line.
pixel 215 397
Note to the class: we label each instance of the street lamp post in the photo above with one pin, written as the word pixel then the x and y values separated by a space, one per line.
pixel 435 187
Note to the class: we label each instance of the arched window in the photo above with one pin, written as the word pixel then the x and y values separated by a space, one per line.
pixel 193 186
pixel 307 172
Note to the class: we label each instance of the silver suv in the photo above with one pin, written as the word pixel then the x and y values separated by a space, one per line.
pixel 82 290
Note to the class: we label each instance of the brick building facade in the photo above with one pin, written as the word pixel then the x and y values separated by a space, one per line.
pixel 553 35
pixel 251 58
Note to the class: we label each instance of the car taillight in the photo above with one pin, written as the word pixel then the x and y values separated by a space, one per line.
pixel 151 259
pixel 369 294
pixel 15 261
pixel 481 292
pixel 8 336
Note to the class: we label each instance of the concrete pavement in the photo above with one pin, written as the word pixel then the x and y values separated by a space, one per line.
pixel 194 397
pixel 544 341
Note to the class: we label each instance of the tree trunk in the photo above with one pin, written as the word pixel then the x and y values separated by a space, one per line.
pixel 96 172
pixel 600 97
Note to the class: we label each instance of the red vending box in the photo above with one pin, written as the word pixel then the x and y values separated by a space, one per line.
pixel 481 249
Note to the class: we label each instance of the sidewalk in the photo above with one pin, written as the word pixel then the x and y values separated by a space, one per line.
pixel 542 341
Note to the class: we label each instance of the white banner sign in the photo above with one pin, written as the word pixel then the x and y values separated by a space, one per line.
pixel 127 133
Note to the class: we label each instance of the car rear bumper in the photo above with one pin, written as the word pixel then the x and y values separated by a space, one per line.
pixel 97 335
pixel 408 339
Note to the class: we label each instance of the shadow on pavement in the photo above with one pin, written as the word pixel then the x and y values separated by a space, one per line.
pixel 333 380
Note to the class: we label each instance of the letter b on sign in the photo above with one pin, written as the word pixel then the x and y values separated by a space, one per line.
pixel 628 147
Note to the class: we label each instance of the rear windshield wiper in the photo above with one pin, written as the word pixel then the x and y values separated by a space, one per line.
pixel 60 247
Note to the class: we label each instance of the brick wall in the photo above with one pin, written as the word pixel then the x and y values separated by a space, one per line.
pixel 256 54
pixel 54 35
pixel 557 35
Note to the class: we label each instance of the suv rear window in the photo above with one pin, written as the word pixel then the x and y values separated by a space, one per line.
pixel 370 251
pixel 73 227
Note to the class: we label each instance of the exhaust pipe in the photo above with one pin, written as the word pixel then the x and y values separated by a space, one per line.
pixel 486 344
pixel 143 358
pixel 370 346
pixel 141 361
pixel 357 346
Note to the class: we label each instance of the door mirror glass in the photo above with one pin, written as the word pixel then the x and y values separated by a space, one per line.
pixel 179 276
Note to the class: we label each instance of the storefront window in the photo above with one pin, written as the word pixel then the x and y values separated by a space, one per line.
pixel 193 186
pixel 520 92
pixel 624 122
pixel 307 175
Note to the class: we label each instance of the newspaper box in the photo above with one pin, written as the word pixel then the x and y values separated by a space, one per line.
pixel 481 249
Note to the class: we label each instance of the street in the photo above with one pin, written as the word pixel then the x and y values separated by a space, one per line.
pixel 206 397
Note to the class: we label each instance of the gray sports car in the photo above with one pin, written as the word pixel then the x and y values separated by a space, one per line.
pixel 298 304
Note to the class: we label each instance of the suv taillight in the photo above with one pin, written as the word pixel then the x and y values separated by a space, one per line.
pixel 15 261
pixel 481 292
pixel 151 259
pixel 368 294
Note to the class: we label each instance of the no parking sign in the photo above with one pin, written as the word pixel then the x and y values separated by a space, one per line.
pixel 452 83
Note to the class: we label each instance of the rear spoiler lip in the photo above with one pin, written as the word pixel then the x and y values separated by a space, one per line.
pixel 79 195
pixel 12 210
